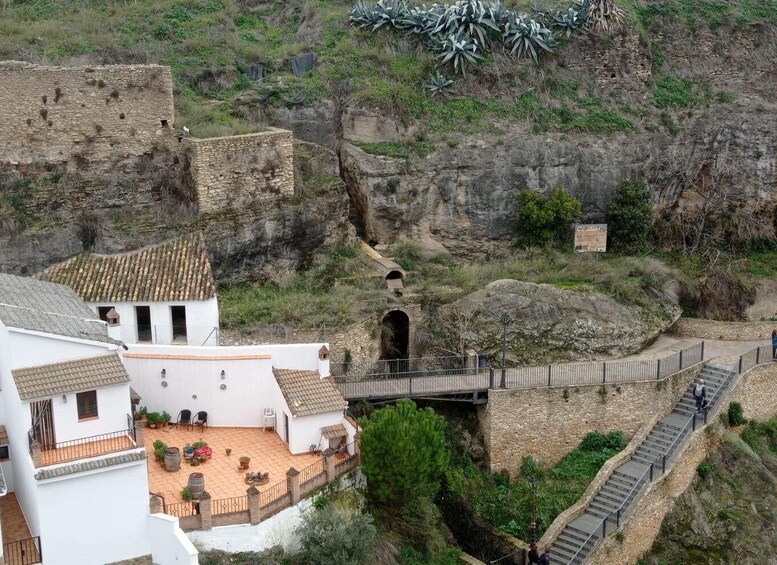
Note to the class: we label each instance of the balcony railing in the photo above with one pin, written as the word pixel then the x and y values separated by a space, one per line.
pixel 82 448
pixel 23 552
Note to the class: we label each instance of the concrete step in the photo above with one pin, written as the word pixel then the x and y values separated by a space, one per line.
pixel 563 550
pixel 585 524
pixel 612 498
pixel 630 470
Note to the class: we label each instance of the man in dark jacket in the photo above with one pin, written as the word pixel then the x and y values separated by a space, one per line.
pixel 700 394
pixel 545 557
pixel 534 555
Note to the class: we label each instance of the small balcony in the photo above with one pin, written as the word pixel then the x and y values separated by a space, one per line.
pixel 45 454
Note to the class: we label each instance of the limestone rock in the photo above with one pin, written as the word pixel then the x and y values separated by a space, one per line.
pixel 548 323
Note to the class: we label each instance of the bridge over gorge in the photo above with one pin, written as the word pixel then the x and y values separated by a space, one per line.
pixel 464 377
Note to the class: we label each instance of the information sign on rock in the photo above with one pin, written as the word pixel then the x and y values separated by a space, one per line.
pixel 591 238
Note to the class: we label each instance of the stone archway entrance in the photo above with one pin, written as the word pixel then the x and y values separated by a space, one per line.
pixel 395 335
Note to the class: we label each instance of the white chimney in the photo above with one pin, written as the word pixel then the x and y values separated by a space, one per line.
pixel 323 361
pixel 114 324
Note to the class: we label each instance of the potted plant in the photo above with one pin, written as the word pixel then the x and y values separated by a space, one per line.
pixel 186 493
pixel 229 451
pixel 153 419
pixel 244 462
pixel 159 449
pixel 165 418
pixel 188 451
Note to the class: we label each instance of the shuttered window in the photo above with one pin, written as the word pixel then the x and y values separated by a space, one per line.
pixel 87 404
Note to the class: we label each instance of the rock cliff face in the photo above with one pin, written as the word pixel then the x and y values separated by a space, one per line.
pixel 728 517
pixel 462 197
pixel 548 323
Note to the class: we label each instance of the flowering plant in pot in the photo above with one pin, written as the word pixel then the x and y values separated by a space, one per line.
pixel 244 462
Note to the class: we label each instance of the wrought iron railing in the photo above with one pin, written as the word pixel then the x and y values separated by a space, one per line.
pixel 661 462
pixel 23 552
pixel 183 509
pixel 278 490
pixel 229 505
pixel 442 375
pixel 311 471
pixel 90 446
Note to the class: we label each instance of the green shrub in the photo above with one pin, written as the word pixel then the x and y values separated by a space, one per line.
pixel 706 469
pixel 736 414
pixel 761 435
pixel 628 217
pixel 404 453
pixel 597 441
pixel 670 91
pixel 336 534
pixel 541 219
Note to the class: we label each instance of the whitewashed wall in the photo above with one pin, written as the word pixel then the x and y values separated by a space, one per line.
pixel 169 545
pixel 29 349
pixel 95 518
pixel 196 371
pixel 201 317
pixel 306 431
pixel 113 405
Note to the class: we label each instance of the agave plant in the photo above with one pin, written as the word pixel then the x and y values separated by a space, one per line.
pixel 439 83
pixel 604 15
pixel 458 49
pixel 527 36
pixel 469 17
pixel 390 13
pixel 366 15
pixel 497 12
pixel 422 21
pixel 572 20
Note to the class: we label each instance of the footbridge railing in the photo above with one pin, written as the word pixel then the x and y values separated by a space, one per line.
pixel 466 374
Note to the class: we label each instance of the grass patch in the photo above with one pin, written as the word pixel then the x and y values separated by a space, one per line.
pixel 671 91
pixel 396 149
pixel 507 505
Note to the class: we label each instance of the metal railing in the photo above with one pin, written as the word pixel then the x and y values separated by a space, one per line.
pixel 90 446
pixel 229 505
pixel 312 471
pixel 23 552
pixel 183 509
pixel 278 490
pixel 661 462
pixel 441 375
pixel 350 452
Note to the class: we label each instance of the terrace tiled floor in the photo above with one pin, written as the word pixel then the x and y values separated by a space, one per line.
pixel 223 479
pixel 15 529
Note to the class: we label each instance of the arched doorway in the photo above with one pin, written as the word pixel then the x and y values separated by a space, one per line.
pixel 395 335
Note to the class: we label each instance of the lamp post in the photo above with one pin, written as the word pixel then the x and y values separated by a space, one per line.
pixel 505 322
pixel 533 525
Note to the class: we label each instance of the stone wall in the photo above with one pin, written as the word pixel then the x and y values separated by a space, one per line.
pixel 242 170
pixel 757 393
pixel 729 331
pixel 547 423
pixel 362 340
pixel 56 114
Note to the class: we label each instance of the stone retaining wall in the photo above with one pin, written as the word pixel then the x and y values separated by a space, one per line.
pixel 75 114
pixel 728 331
pixel 241 170
pixel 548 423
pixel 142 560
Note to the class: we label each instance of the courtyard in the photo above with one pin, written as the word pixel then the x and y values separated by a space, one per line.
pixel 223 478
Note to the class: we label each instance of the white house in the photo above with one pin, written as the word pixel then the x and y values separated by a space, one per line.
pixel 74 463
pixel 163 294
pixel 238 386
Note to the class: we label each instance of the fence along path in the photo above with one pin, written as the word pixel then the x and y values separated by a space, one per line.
pixel 459 375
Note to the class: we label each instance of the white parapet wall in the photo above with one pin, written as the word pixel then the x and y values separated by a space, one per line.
pixel 169 545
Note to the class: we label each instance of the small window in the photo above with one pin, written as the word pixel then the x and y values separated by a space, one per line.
pixel 87 404
pixel 3 452
pixel 102 312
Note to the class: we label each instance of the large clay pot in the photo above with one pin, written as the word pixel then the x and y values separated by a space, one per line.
pixel 172 459
pixel 196 484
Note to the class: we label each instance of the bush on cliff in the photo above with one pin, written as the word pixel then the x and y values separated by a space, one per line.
pixel 629 217
pixel 542 219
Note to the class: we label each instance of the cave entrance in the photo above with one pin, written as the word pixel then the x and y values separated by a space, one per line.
pixel 395 335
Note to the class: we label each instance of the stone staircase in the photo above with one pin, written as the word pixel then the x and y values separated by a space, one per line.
pixel 612 502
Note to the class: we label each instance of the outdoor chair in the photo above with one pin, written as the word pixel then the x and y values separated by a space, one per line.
pixel 200 419
pixel 268 420
pixel 184 417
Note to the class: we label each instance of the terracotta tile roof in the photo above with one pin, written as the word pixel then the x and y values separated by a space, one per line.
pixel 307 393
pixel 334 432
pixel 172 271
pixel 90 465
pixel 45 381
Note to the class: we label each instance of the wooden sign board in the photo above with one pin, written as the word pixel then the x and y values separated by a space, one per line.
pixel 591 238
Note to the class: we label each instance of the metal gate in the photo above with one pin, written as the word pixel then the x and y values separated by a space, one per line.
pixel 43 424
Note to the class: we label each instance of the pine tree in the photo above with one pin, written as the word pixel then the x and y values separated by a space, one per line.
pixel 404 454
